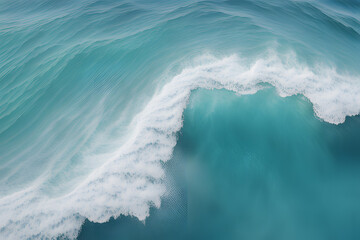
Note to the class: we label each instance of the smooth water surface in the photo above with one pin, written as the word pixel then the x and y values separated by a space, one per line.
pixel 254 167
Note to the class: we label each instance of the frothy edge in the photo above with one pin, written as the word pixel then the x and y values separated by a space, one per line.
pixel 131 181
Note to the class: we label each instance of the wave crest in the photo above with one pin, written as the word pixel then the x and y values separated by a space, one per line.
pixel 131 181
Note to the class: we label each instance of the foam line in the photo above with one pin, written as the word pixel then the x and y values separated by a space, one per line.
pixel 131 180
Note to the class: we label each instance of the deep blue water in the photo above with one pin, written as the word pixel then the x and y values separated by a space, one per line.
pixel 201 119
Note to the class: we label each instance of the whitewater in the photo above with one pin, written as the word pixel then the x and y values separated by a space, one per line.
pixel 131 179
pixel 120 151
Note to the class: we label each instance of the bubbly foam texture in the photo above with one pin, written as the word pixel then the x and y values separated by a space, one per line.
pixel 131 180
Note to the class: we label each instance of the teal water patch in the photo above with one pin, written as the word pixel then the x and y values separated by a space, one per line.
pixel 254 167
pixel 92 93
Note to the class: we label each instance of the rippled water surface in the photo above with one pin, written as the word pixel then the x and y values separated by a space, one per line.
pixel 212 118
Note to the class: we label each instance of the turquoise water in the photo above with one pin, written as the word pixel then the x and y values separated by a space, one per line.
pixel 212 118
pixel 269 170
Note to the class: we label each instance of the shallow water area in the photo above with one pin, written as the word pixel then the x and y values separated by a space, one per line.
pixel 253 167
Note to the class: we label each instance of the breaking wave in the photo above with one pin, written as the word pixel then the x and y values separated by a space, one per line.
pixel 130 181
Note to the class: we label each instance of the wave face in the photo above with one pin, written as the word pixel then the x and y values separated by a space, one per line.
pixel 92 93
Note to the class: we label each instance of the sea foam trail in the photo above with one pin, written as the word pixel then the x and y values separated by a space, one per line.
pixel 131 181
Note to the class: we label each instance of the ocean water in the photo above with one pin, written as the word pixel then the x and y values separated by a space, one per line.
pixel 179 119
pixel 274 173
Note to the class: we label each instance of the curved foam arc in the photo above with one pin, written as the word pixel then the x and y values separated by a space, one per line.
pixel 132 178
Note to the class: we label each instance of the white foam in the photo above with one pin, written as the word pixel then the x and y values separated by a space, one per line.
pixel 131 179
